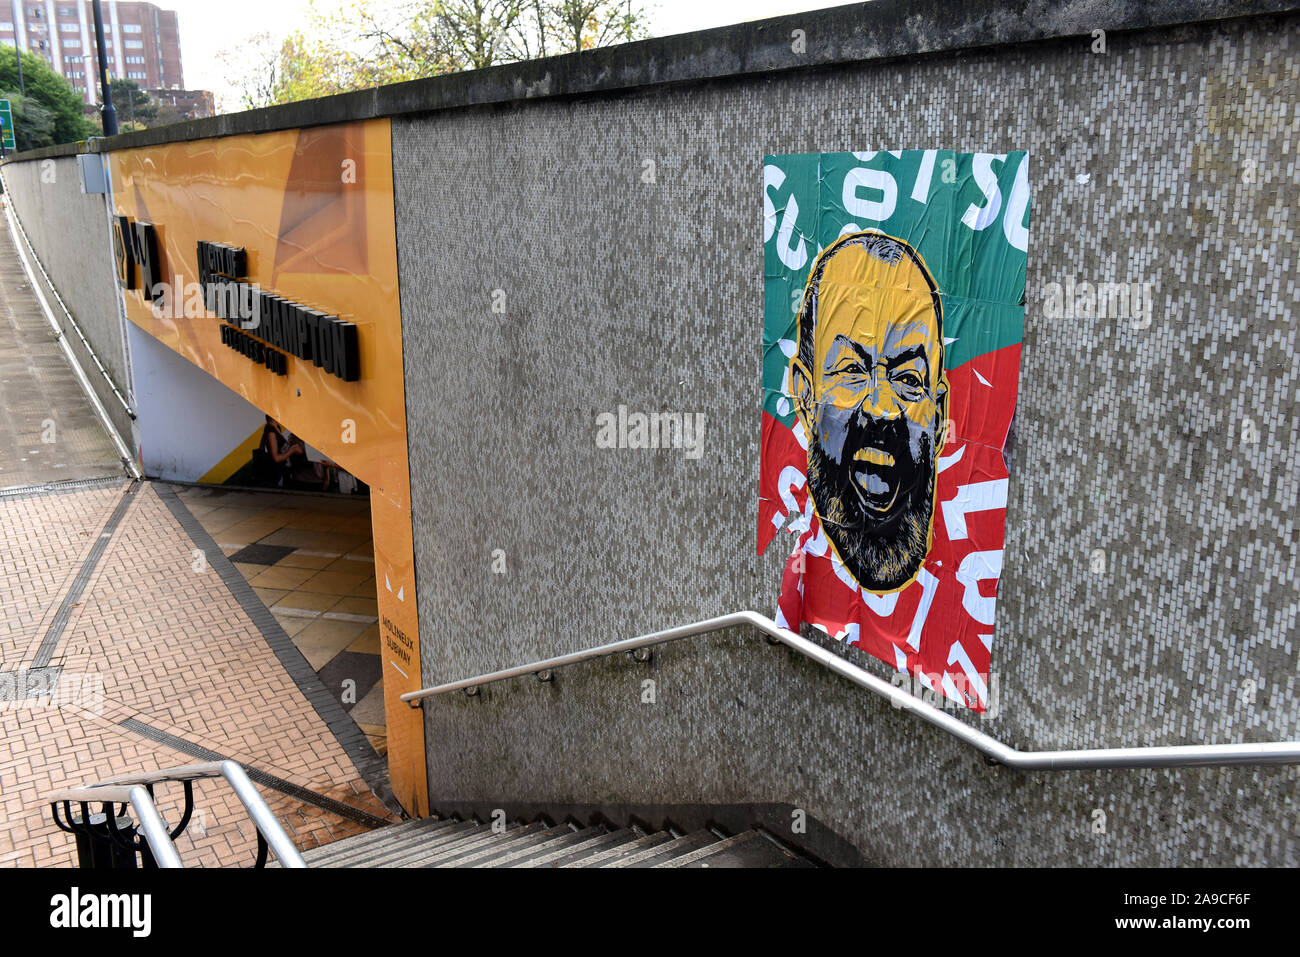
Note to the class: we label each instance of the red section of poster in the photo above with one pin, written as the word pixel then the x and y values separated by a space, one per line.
pixel 938 628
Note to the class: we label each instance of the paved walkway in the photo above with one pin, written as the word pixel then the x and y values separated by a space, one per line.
pixel 48 430
pixel 158 651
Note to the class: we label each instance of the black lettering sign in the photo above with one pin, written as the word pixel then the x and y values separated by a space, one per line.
pixel 347 358
pixel 325 340
pixel 265 325
pixel 124 251
pixel 313 318
pixel 255 350
pixel 282 326
pixel 145 247
pixel 302 341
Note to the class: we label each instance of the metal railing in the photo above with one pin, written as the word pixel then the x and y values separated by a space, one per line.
pixel 1161 756
pixel 158 847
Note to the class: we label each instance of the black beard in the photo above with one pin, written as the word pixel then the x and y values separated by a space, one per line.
pixel 881 554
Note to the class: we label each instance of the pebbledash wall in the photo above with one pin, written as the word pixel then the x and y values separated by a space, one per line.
pixel 1149 590
pixel 1127 442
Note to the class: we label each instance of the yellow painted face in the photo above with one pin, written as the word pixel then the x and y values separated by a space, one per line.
pixel 876 341
pixel 873 405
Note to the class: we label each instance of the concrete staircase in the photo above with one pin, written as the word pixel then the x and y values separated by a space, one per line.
pixel 433 842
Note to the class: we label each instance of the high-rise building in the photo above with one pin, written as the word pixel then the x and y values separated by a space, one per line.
pixel 141 41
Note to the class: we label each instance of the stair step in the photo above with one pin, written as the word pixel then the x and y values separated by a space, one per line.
pixel 315 854
pixel 622 850
pixel 355 844
pixel 446 842
pixel 516 857
pixel 422 856
pixel 617 839
pixel 600 838
pixel 725 844
pixel 380 856
pixel 529 836
pixel 652 855
pixel 346 855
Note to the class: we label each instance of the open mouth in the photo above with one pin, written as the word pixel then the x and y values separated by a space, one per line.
pixel 874 479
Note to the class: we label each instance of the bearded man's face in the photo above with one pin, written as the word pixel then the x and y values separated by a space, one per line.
pixel 874 406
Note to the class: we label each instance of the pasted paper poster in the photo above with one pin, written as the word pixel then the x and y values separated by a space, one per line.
pixel 893 317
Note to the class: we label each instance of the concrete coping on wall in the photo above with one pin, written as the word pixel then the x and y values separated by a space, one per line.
pixel 881 30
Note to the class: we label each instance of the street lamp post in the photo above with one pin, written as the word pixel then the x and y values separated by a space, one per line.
pixel 18 53
pixel 109 114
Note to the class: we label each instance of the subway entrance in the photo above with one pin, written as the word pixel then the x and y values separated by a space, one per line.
pixel 308 554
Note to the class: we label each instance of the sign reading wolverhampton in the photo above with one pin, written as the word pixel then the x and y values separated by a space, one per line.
pixel 325 341
pixel 893 318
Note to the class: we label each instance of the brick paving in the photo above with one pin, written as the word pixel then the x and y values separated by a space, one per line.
pixel 43 542
pixel 171 648
pixel 310 559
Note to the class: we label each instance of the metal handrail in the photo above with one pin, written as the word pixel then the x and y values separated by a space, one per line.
pixel 133 789
pixel 1163 756
pixel 137 795
pixel 263 819
pixel 184 772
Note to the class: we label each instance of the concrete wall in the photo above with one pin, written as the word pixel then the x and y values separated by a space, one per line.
pixel 69 230
pixel 188 420
pixel 1127 441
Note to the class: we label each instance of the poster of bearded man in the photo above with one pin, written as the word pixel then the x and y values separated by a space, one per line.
pixel 893 319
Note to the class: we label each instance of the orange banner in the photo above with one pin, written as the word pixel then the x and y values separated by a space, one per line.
pixel 312 211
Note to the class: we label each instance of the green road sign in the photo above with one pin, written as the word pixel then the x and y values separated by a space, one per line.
pixel 7 124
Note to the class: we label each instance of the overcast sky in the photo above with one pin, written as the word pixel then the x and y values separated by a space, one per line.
pixel 208 27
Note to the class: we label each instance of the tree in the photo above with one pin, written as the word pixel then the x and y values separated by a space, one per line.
pixel 33 123
pixel 486 32
pixel 586 24
pixel 351 49
pixel 370 42
pixel 481 32
pixel 254 70
pixel 49 91
pixel 132 104
pixel 167 115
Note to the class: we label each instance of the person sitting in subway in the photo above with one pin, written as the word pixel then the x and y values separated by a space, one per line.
pixel 277 454
pixel 284 462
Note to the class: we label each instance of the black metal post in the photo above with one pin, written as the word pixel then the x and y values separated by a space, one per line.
pixel 107 111
pixel 18 53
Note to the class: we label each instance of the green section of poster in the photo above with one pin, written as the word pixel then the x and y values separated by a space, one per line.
pixel 966 214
